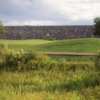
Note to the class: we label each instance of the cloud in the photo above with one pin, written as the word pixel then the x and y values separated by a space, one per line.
pixel 20 2
pixel 48 12
pixel 76 9
pixel 32 22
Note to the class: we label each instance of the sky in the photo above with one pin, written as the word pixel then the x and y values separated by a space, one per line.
pixel 49 12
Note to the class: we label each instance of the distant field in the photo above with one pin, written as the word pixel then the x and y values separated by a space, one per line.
pixel 69 45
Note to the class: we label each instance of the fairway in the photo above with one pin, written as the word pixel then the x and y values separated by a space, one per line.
pixel 69 45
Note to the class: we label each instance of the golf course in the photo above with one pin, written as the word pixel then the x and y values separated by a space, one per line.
pixel 68 45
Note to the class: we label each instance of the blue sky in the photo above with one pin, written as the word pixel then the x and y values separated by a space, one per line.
pixel 49 12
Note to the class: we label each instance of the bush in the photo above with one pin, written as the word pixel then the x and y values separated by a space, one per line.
pixel 97 27
pixel 14 58
pixel 38 61
pixel 19 60
pixel 2 30
pixel 97 61
pixel 21 35
pixel 4 49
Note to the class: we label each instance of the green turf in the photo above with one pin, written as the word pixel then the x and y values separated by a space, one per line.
pixel 24 44
pixel 69 45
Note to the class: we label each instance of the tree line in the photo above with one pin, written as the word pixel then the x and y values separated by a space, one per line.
pixel 96 27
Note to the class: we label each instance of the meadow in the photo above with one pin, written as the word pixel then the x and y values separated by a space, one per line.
pixel 40 77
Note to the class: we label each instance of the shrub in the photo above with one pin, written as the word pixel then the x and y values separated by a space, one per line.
pixel 14 58
pixel 21 35
pixel 97 27
pixel 2 30
pixel 97 61
pixel 4 48
pixel 19 60
pixel 39 61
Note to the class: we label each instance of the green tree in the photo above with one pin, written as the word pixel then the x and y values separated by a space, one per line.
pixel 2 30
pixel 97 27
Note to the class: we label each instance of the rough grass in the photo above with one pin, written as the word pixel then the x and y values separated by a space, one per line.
pixel 70 45
pixel 49 85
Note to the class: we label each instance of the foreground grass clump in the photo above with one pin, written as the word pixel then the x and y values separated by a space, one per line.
pixel 53 85
pixel 97 61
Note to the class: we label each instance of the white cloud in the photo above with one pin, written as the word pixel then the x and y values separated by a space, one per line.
pixel 31 22
pixel 76 9
pixel 38 22
pixel 21 2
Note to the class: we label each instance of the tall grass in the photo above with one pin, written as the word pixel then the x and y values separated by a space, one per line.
pixel 15 85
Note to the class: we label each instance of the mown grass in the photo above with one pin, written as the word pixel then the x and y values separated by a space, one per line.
pixel 70 45
pixel 73 45
pixel 24 44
